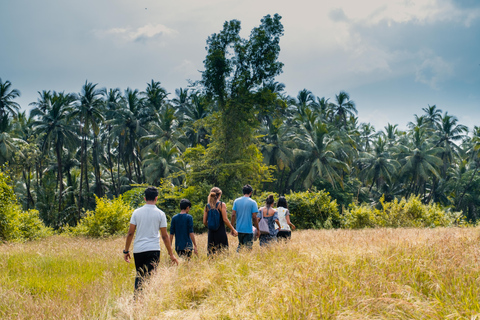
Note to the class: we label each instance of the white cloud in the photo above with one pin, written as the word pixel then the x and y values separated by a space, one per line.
pixel 432 71
pixel 140 34
pixel 187 69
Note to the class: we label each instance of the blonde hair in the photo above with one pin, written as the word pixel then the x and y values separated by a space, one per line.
pixel 215 193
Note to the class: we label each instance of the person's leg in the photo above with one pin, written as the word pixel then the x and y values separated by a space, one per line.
pixel 248 240
pixel 145 263
pixel 245 240
pixel 240 240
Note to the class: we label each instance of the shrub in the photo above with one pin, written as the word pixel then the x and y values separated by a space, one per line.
pixel 403 213
pixel 313 210
pixel 110 217
pixel 16 224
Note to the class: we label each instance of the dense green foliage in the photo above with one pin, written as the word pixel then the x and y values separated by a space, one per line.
pixel 111 217
pixel 403 213
pixel 235 125
pixel 15 223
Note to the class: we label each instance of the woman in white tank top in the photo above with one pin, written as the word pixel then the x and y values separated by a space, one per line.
pixel 286 227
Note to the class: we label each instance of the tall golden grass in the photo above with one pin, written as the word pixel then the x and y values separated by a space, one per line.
pixel 62 278
pixel 322 274
pixel 327 274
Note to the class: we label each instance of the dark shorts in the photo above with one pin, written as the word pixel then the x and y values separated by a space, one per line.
pixel 266 239
pixel 145 263
pixel 245 240
pixel 187 253
pixel 284 234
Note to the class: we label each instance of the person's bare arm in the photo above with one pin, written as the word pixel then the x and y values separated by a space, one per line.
pixel 225 219
pixel 166 241
pixel 234 217
pixel 171 238
pixel 128 242
pixel 289 223
pixel 192 236
pixel 255 222
pixel 205 215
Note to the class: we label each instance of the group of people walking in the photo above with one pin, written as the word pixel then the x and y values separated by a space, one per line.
pixel 267 224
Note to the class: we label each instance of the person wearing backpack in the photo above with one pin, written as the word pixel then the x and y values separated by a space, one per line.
pixel 267 226
pixel 214 218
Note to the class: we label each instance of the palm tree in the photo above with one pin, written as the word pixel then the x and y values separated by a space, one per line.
pixel 162 161
pixel 344 107
pixel 28 155
pixel 378 166
pixel 155 95
pixel 57 132
pixel 127 126
pixel 44 102
pixel 432 115
pixel 473 152
pixel 420 161
pixel 391 133
pixel 367 134
pixel 8 143
pixel 191 116
pixel 7 95
pixel 316 156
pixel 305 100
pixel 112 102
pixel 89 112
pixel 326 108
pixel 448 131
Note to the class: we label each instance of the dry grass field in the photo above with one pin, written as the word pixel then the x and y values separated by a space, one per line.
pixel 319 274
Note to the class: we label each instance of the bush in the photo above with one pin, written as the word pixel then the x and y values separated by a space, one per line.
pixel 403 213
pixel 111 217
pixel 313 210
pixel 16 224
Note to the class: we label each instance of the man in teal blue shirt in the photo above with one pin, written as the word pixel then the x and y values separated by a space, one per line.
pixel 245 212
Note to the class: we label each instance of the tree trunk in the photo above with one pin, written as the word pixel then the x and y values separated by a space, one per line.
pixel 59 176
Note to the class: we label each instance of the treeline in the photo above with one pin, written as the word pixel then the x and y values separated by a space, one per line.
pixel 234 126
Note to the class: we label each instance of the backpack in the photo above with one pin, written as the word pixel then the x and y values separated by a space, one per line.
pixel 213 218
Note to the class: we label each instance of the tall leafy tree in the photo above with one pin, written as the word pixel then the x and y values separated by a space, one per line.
pixel 344 107
pixel 235 70
pixel 57 132
pixel 317 158
pixel 89 112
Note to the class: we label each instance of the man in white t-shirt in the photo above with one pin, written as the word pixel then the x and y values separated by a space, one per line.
pixel 147 221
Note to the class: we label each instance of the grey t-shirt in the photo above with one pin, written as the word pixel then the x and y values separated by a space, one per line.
pixel 148 219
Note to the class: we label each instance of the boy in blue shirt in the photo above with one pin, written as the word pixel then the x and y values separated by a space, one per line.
pixel 181 227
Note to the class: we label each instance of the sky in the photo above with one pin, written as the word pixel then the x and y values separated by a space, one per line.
pixel 393 57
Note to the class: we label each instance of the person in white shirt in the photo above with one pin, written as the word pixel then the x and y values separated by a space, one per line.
pixel 149 222
pixel 286 227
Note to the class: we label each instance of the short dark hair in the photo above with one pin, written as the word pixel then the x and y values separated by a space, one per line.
pixel 184 204
pixel 282 202
pixel 247 189
pixel 151 193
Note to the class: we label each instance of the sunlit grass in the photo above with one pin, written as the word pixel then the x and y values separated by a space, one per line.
pixel 325 274
pixel 62 278
pixel 342 274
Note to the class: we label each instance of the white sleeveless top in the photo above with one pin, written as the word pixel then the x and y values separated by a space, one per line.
pixel 282 214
